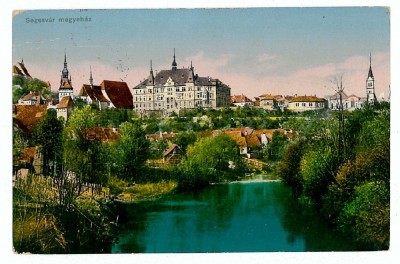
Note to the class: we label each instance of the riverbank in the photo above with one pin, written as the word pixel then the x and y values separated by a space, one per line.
pixel 146 191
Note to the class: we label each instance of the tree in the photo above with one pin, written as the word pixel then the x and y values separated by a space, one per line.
pixel 47 133
pixel 132 151
pixel 184 139
pixel 276 148
pixel 289 167
pixel 22 86
pixel 318 170
pixel 367 216
pixel 210 159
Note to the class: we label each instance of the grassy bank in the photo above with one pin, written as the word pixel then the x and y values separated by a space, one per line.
pixel 145 191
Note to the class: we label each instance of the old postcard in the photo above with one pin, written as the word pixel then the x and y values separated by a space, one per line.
pixel 201 130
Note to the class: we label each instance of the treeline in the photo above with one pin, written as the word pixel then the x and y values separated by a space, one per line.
pixel 344 171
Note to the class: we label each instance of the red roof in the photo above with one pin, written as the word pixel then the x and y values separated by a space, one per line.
pixel 94 92
pixel 240 99
pixel 66 102
pixel 101 134
pixel 28 115
pixel 306 98
pixel 118 93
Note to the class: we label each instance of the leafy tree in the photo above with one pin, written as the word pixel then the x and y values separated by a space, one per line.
pixel 210 159
pixel 318 170
pixel 289 167
pixel 184 139
pixel 132 151
pixel 23 86
pixel 276 147
pixel 157 148
pixel 367 216
pixel 47 133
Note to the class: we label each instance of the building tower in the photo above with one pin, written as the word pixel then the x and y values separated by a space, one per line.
pixel 66 88
pixel 370 85
pixel 91 77
pixel 174 63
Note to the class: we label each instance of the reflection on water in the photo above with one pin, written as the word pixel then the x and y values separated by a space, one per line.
pixel 242 217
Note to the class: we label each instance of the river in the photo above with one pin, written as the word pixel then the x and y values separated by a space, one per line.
pixel 249 216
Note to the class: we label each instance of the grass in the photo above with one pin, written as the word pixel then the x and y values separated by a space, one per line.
pixel 147 191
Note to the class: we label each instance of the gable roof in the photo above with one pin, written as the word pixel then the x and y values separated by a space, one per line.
pixel 94 92
pixel 171 149
pixel 34 96
pixel 118 93
pixel 240 99
pixel 27 116
pixel 66 102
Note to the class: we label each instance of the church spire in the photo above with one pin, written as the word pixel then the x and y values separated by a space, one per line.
pixel 174 63
pixel 370 74
pixel 91 77
pixel 151 72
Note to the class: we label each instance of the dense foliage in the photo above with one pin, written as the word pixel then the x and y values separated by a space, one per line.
pixel 23 86
pixel 350 186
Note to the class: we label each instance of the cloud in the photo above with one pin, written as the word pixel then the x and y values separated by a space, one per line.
pixel 264 58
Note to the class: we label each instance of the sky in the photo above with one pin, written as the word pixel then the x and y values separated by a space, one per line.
pixel 253 50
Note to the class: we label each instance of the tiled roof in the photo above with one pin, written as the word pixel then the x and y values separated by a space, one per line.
pixel 34 96
pixel 237 136
pixel 118 93
pixel 94 92
pixel 28 115
pixel 101 134
pixel 66 102
pixel 305 98
pixel 240 99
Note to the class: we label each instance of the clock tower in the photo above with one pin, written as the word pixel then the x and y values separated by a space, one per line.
pixel 370 85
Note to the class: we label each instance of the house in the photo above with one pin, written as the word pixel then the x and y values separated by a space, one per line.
pixel 172 155
pixel 92 94
pixel 350 103
pixel 101 134
pixel 26 116
pixel 306 103
pixel 109 94
pixel 65 107
pixel 241 100
pixel 249 140
pixel 33 98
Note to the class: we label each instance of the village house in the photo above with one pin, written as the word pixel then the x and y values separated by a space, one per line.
pixel 173 155
pixel 251 140
pixel 241 100
pixel 32 98
pixel 306 103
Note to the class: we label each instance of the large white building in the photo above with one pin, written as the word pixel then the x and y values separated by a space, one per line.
pixel 175 89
